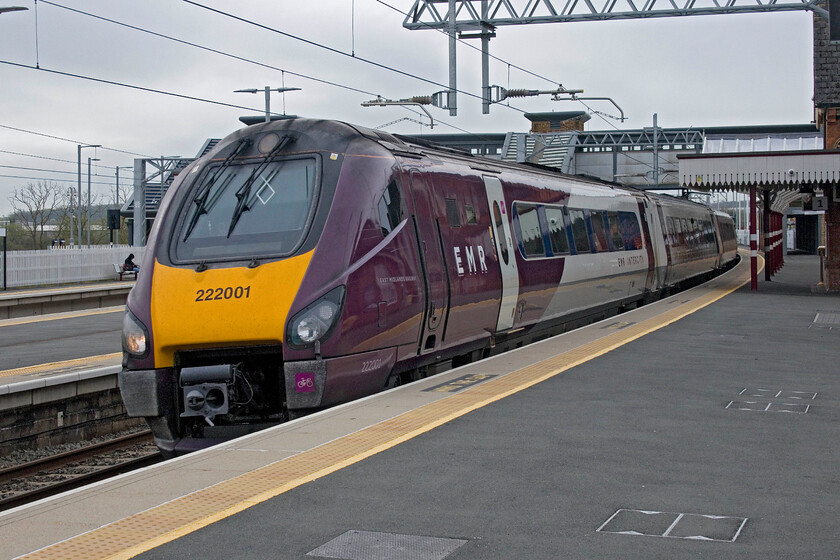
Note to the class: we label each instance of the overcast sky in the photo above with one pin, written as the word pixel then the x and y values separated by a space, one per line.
pixel 691 71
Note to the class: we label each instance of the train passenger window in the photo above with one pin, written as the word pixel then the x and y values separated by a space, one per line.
pixel 452 213
pixel 678 228
pixel 500 232
pixel 470 211
pixel 630 231
pixel 615 231
pixel 599 232
pixel 579 233
pixel 672 235
pixel 390 209
pixel 557 230
pixel 530 235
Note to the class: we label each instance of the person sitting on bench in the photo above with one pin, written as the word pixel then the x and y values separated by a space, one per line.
pixel 129 265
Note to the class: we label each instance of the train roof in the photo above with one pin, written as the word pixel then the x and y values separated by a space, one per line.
pixel 410 146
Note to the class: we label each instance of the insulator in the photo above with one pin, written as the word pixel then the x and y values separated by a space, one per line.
pixel 422 99
pixel 521 93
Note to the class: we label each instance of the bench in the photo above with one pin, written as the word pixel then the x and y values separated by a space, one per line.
pixel 118 269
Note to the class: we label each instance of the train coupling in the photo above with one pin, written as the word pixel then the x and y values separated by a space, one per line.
pixel 205 390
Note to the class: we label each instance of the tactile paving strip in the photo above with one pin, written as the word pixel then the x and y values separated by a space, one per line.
pixel 57 367
pixel 143 531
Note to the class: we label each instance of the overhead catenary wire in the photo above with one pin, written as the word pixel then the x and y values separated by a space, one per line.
pixel 16 129
pixel 334 50
pixel 129 86
pixel 208 49
pixel 471 46
pixel 48 170
pixel 283 71
pixel 29 177
pixel 74 162
pixel 509 64
pixel 244 20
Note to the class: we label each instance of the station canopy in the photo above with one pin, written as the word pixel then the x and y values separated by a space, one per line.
pixel 787 165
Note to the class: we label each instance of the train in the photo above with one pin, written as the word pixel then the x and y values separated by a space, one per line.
pixel 304 263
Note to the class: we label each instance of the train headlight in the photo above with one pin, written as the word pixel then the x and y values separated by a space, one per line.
pixel 135 337
pixel 318 319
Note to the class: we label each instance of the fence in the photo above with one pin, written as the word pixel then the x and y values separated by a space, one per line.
pixel 64 266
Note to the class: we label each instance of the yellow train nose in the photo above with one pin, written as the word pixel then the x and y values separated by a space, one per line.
pixel 222 306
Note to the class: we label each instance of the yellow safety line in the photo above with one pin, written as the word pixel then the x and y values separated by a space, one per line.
pixel 52 366
pixel 81 288
pixel 156 526
pixel 59 316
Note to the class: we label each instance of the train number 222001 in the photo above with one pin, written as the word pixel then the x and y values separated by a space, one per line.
pixel 229 292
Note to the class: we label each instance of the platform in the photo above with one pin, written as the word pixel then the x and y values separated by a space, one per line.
pixel 18 303
pixel 702 426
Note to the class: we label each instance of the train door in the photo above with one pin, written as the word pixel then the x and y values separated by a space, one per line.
pixel 647 217
pixel 431 255
pixel 504 252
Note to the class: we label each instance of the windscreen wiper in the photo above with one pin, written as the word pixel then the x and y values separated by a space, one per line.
pixel 200 199
pixel 244 191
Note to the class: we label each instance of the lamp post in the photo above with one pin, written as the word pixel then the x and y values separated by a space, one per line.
pixel 72 197
pixel 268 90
pixel 88 202
pixel 79 181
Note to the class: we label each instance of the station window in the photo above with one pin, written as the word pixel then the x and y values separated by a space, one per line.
pixel 529 230
pixel 390 209
pixel 579 233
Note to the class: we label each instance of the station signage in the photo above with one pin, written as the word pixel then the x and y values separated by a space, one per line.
pixel 819 203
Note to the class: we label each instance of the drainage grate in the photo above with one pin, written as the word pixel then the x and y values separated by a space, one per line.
pixel 368 545
pixel 460 383
pixel 661 524
pixel 827 318
pixel 771 400
pixel 618 325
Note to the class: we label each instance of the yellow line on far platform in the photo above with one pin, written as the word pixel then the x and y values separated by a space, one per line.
pixel 57 367
pixel 59 316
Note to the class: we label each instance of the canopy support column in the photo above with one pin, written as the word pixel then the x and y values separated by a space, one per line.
pixel 768 237
pixel 753 241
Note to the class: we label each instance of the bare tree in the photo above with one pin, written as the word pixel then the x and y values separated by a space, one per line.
pixel 36 204
pixel 65 214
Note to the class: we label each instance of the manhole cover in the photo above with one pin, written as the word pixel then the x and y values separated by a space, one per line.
pixel 827 318
pixel 368 545
pixel 661 524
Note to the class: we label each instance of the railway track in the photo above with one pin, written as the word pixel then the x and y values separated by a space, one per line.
pixel 27 482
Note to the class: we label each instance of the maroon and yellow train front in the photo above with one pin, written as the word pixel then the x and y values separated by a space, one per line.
pixel 305 263
pixel 241 311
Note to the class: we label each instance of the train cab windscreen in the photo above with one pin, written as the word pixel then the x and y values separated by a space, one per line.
pixel 248 210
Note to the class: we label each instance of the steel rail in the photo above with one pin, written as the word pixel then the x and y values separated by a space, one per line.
pixel 49 465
